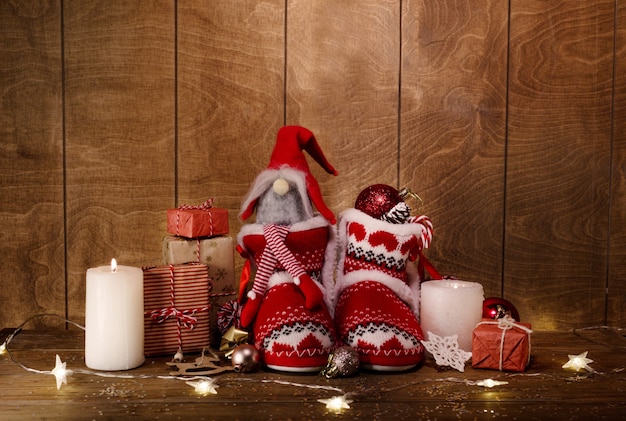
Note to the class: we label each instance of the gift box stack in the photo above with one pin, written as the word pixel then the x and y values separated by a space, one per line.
pixel 182 297
pixel 501 344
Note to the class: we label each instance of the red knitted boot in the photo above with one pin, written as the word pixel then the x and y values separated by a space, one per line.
pixel 291 337
pixel 373 320
pixel 377 302
pixel 291 324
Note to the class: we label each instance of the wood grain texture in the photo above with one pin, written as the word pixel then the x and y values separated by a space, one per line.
pixel 508 118
pixel 342 83
pixel 453 133
pixel 545 391
pixel 119 106
pixel 616 306
pixel 31 161
pixel 230 97
pixel 558 160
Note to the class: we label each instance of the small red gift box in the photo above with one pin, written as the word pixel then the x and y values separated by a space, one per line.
pixel 197 221
pixel 502 344
pixel 176 308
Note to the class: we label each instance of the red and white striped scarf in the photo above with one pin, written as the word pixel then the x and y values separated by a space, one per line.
pixel 276 252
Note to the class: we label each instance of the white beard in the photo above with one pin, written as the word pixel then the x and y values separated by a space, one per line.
pixel 287 209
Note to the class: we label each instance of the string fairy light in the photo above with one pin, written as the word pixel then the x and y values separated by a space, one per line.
pixel 579 362
pixel 336 403
pixel 489 383
pixel 204 385
pixel 60 372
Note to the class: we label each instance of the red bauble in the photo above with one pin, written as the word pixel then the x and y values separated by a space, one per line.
pixel 377 200
pixel 496 308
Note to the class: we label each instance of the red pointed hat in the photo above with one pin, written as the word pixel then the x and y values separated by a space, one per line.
pixel 290 143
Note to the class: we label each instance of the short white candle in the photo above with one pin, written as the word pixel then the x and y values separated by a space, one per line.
pixel 114 318
pixel 451 307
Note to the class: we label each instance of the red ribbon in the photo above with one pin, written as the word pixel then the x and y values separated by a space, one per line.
pixel 424 265
pixel 243 280
pixel 185 318
pixel 206 206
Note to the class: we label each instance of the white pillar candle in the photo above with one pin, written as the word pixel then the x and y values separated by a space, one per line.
pixel 114 318
pixel 451 307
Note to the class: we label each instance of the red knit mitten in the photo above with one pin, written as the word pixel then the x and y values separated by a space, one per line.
pixel 312 293
pixel 249 311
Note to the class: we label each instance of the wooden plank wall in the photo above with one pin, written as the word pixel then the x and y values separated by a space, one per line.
pixel 508 118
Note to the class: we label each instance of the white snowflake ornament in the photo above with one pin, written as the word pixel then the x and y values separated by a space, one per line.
pixel 446 351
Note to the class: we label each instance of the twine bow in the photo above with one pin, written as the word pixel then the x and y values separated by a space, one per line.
pixel 186 318
pixel 505 323
pixel 206 206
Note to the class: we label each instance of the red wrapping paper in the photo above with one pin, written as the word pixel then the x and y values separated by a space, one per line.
pixel 176 310
pixel 197 221
pixel 488 351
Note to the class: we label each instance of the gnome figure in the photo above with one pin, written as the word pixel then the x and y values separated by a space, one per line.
pixel 377 290
pixel 286 249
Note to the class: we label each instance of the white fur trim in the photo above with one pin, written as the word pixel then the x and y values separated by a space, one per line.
pixel 283 277
pixel 251 295
pixel 415 284
pixel 401 289
pixel 406 293
pixel 311 223
pixel 265 180
pixel 329 269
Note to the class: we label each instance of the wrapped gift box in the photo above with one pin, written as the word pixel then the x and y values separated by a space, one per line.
pixel 501 344
pixel 176 308
pixel 218 253
pixel 197 221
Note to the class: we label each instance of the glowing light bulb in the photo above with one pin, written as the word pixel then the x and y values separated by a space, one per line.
pixel 204 387
pixel 579 362
pixel 3 348
pixel 60 372
pixel 490 383
pixel 336 403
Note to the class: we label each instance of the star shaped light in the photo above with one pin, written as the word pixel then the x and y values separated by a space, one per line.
pixel 336 403
pixel 578 362
pixel 490 383
pixel 204 387
pixel 60 372
pixel 446 351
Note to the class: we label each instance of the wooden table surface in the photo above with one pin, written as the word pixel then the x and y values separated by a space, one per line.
pixel 544 391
